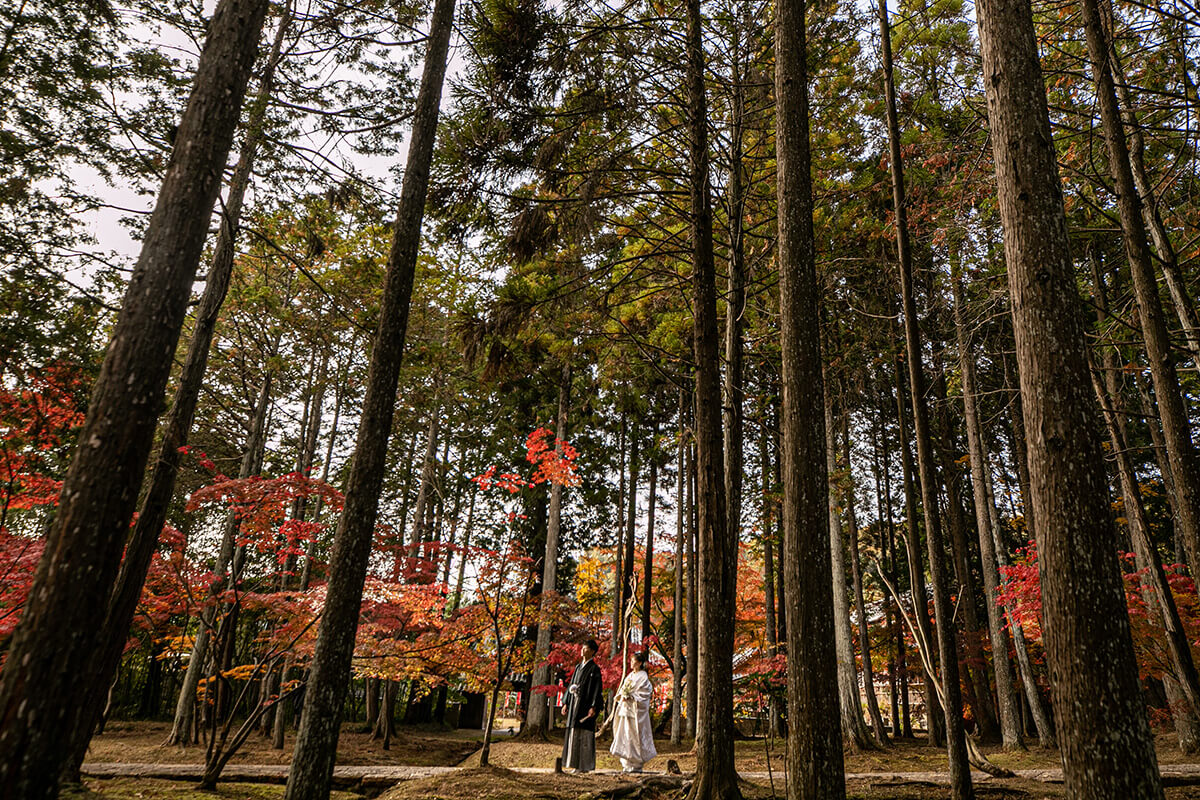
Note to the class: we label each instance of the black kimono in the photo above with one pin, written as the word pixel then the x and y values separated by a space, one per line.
pixel 579 746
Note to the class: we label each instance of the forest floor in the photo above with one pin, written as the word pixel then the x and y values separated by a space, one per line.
pixel 437 763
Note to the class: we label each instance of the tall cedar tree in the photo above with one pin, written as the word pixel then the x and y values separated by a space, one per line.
pixel 329 677
pixel 43 683
pixel 956 745
pixel 716 776
pixel 814 748
pixel 153 512
pixel 1181 454
pixel 1103 734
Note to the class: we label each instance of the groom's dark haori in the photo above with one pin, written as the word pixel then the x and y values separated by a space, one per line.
pixel 585 701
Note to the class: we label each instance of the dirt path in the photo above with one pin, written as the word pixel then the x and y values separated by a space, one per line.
pixel 381 776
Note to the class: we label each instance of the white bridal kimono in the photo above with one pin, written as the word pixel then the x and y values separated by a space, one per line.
pixel 633 737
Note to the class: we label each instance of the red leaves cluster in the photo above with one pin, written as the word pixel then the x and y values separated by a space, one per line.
pixel 553 458
pixel 553 461
pixel 18 559
pixel 1022 591
pixel 262 507
pixel 38 419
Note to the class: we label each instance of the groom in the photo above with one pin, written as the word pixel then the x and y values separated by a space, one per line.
pixel 585 701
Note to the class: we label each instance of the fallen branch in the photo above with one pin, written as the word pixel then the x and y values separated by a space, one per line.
pixel 974 755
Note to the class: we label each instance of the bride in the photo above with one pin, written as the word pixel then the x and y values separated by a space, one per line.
pixel 633 738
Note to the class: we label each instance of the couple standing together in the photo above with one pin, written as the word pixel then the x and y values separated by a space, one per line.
pixel 633 738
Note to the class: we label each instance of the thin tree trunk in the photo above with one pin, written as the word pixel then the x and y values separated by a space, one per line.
pixel 316 742
pixel 181 731
pixel 306 569
pixel 1182 683
pixel 52 653
pixel 860 606
pixel 693 613
pixel 1009 708
pixel 768 539
pixel 648 560
pixel 916 568
pixel 419 531
pixel 716 776
pixel 854 729
pixel 815 765
pixel 973 667
pixel 152 515
pixel 1185 683
pixel 1086 624
pixel 960 772
pixel 627 558
pixel 735 305
pixel 1168 259
pixel 538 716
pixel 618 551
pixel 1181 456
pixel 677 670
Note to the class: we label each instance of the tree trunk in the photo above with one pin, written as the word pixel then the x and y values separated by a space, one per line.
pixel 1168 259
pixel 973 668
pixel 143 542
pixel 1160 602
pixel 1181 684
pixel 716 777
pixel 985 517
pixel 860 606
pixel 627 558
pixel 960 772
pixel 693 614
pixel 1181 456
pixel 420 531
pixel 768 539
pixel 916 568
pixel 677 635
pixel 854 730
pixel 1086 624
pixel 372 691
pixel 52 653
pixel 316 742
pixel 735 304
pixel 814 748
pixel 648 560
pixel 618 551
pixel 182 729
pixel 537 718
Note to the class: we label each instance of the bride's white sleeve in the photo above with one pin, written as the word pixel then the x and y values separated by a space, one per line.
pixel 643 690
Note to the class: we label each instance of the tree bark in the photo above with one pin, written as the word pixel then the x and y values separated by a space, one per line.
pixel 1160 602
pixel 960 772
pixel 1168 259
pixel 916 568
pixel 1181 455
pixel 648 555
pixel 985 516
pixel 316 742
pixel 537 718
pixel 618 551
pixel 627 558
pixel 860 606
pixel 42 693
pixel 854 729
pixel 693 613
pixel 1101 720
pixel 716 777
pixel 153 512
pixel 677 635
pixel 814 749
pixel 768 539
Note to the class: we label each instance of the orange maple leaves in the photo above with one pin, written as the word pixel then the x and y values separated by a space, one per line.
pixel 553 460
